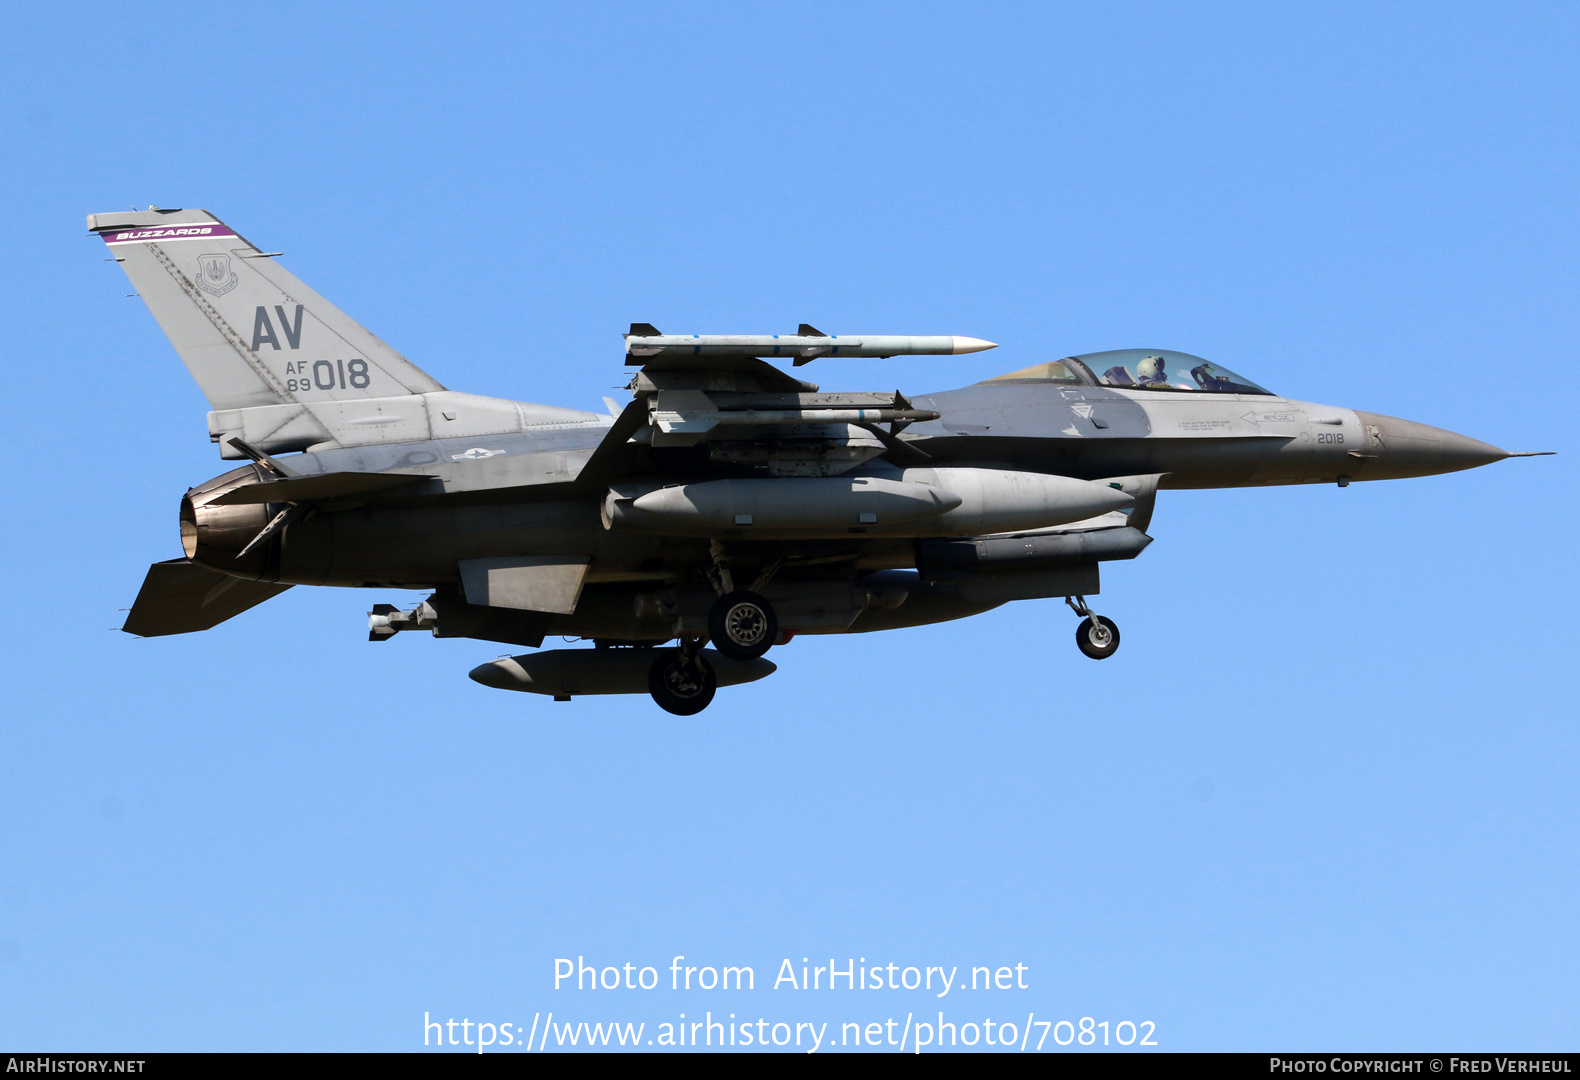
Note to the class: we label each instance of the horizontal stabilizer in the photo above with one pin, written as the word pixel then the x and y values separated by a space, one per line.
pixel 311 488
pixel 180 597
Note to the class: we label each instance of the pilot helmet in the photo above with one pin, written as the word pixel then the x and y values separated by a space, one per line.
pixel 1152 370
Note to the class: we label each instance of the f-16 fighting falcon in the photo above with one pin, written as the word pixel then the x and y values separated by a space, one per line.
pixel 729 503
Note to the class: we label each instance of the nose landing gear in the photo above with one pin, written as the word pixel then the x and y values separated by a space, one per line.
pixel 1096 636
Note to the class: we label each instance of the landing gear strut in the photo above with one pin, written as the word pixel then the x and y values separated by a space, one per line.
pixel 681 680
pixel 1097 636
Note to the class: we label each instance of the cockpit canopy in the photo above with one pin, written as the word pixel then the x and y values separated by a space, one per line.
pixel 1138 369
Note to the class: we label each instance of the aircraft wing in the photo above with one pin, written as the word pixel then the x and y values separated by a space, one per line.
pixel 179 597
pixel 613 456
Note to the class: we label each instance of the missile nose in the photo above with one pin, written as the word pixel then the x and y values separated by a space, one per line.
pixel 972 344
pixel 1397 448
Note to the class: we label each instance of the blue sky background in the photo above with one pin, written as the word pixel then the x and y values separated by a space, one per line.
pixel 1323 797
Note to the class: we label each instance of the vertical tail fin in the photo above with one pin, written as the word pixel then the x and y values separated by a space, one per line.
pixel 250 332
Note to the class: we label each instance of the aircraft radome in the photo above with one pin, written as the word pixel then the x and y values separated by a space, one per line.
pixel 728 502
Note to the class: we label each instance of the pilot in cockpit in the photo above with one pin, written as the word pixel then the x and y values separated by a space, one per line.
pixel 1152 371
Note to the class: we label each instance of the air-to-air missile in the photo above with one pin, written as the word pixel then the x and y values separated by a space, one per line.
pixel 728 502
pixel 644 343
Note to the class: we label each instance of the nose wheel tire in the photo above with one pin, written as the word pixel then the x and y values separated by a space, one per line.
pixel 1097 637
pixel 681 685
pixel 742 625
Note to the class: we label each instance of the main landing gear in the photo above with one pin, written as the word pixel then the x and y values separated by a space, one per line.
pixel 1097 636
pixel 742 626
pixel 742 623
pixel 681 680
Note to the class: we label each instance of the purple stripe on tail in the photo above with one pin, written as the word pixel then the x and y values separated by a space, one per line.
pixel 163 232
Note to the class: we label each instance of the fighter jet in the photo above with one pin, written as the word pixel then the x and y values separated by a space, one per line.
pixel 729 503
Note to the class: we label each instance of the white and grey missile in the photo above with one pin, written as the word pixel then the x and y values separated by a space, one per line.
pixel 644 344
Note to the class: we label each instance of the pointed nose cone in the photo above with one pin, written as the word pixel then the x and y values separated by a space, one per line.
pixel 972 344
pixel 1399 448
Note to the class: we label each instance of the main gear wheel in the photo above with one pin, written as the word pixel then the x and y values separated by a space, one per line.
pixel 742 625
